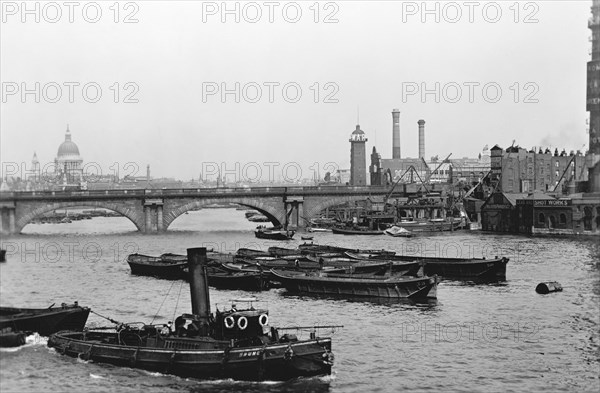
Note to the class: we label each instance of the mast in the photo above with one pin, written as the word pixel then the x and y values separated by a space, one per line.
pixel 199 287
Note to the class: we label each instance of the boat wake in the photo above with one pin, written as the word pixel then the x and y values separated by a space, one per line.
pixel 36 339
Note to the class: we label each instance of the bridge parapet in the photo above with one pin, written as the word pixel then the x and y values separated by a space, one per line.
pixel 324 190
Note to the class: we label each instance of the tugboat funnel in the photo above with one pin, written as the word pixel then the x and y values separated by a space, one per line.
pixel 199 284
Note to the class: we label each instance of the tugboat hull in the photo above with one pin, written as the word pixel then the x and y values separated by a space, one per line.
pixel 276 362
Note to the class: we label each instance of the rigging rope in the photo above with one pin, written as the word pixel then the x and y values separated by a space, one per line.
pixel 107 318
pixel 177 304
pixel 163 302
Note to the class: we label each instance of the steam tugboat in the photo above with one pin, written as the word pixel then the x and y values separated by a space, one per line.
pixel 233 343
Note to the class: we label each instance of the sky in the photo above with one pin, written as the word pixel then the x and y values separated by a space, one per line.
pixel 276 88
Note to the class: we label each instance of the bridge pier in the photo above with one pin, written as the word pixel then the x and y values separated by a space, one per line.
pixel 159 218
pixel 153 215
pixel 294 210
pixel 7 218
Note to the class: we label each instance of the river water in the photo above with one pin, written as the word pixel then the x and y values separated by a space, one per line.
pixel 495 337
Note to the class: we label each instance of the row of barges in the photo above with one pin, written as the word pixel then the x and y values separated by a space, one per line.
pixel 321 269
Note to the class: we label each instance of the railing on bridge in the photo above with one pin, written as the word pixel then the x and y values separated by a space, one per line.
pixel 199 191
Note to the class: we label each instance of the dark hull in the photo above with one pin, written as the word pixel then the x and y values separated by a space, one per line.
pixel 300 264
pixel 173 258
pixel 248 252
pixel 249 281
pixel 44 321
pixel 394 287
pixel 320 249
pixel 268 362
pixel 430 226
pixel 397 268
pixel 349 231
pixel 267 279
pixel 274 235
pixel 280 251
pixel 454 268
pixel 370 266
pixel 171 271
pixel 493 269
pixel 10 339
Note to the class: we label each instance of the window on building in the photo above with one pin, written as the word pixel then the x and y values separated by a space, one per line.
pixel 541 218
pixel 556 174
pixel 552 222
pixel 556 164
pixel 562 218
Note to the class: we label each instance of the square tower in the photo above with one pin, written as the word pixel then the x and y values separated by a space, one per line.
pixel 358 158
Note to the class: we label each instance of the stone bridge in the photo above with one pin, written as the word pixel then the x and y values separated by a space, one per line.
pixel 153 210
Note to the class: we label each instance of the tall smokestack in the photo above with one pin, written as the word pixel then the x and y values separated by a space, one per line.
pixel 421 124
pixel 196 258
pixel 396 133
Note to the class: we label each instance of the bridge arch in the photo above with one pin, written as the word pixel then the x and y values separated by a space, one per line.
pixel 131 214
pixel 272 212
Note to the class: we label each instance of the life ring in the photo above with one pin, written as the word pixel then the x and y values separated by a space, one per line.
pixel 328 358
pixel 263 320
pixel 229 322
pixel 242 323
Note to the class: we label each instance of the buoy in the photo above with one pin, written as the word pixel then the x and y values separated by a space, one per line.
pixel 547 287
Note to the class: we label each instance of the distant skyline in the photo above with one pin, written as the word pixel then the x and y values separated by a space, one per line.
pixel 178 53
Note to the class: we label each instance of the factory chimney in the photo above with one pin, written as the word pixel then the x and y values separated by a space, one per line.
pixel 396 133
pixel 421 124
